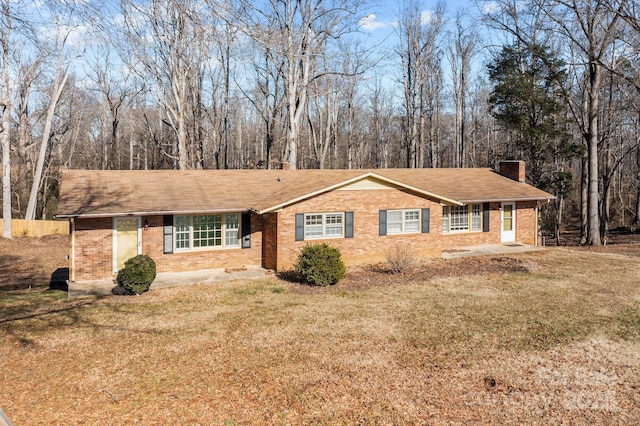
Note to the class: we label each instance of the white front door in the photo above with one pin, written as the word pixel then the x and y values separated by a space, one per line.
pixel 508 220
pixel 126 240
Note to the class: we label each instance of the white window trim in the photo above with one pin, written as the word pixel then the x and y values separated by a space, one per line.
pixel 446 219
pixel 324 225
pixel 404 221
pixel 223 231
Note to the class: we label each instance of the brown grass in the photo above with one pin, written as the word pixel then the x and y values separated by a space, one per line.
pixel 544 338
pixel 31 262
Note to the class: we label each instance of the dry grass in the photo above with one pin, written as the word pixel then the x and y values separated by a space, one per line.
pixel 544 338
pixel 28 263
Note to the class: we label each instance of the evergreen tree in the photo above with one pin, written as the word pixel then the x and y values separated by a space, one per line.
pixel 527 102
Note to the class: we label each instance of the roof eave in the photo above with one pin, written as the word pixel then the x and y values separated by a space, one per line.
pixel 149 213
pixel 495 200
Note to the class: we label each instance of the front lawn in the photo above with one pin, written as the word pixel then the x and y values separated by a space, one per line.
pixel 540 338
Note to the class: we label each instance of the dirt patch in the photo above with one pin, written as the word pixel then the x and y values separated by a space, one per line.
pixel 33 262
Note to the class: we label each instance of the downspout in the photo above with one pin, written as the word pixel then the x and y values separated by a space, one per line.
pixel 536 235
pixel 72 275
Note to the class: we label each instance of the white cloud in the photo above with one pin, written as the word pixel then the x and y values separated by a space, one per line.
pixel 370 23
pixel 74 36
pixel 426 17
pixel 490 7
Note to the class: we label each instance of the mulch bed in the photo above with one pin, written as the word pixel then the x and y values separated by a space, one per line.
pixel 378 275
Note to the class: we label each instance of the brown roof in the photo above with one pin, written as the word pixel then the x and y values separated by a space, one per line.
pixel 130 192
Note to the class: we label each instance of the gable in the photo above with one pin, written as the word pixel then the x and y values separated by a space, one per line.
pixel 368 183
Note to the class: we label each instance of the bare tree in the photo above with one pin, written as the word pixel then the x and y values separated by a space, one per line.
pixel 419 33
pixel 113 93
pixel 299 32
pixel 6 105
pixel 30 71
pixel 591 27
pixel 60 79
pixel 381 123
pixel 461 52
pixel 224 42
pixel 166 40
pixel 630 72
pixel 322 117
pixel 267 99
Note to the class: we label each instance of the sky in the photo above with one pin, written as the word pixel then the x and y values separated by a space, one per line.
pixel 384 15
pixel 378 30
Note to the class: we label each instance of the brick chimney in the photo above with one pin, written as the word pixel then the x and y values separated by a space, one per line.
pixel 513 170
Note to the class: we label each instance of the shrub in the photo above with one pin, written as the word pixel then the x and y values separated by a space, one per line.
pixel 320 264
pixel 400 259
pixel 137 275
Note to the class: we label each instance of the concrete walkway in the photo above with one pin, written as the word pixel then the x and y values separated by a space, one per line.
pixel 486 249
pixel 169 279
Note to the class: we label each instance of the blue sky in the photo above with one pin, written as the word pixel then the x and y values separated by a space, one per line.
pixel 383 16
pixel 378 31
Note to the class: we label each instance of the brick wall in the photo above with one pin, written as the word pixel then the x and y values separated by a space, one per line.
pixel 367 246
pixel 94 249
pixel 194 260
pixel 527 223
pixel 94 237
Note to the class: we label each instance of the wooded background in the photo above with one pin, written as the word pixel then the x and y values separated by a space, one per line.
pixel 212 84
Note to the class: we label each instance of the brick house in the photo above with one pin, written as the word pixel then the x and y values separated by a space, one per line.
pixel 205 219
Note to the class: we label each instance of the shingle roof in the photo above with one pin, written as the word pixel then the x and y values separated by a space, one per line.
pixel 95 193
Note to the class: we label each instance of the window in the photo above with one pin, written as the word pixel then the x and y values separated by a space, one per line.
pixel 206 231
pixel 476 218
pixel 323 225
pixel 181 226
pixel 403 221
pixel 313 226
pixel 232 230
pixel 461 218
pixel 333 225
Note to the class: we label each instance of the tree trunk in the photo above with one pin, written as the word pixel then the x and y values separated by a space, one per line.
pixel 636 220
pixel 60 81
pixel 5 139
pixel 593 237
pixel 559 204
pixel 584 200
pixel 6 160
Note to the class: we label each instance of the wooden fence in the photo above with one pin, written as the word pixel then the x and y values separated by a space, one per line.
pixel 37 228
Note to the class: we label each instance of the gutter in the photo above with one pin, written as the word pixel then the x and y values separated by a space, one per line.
pixel 495 200
pixel 150 213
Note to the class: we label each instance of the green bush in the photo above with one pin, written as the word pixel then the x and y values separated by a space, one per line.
pixel 137 275
pixel 320 264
